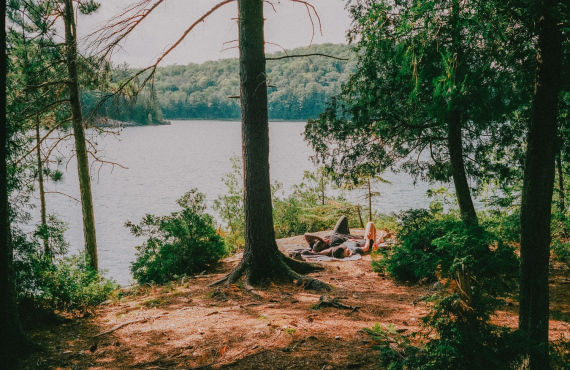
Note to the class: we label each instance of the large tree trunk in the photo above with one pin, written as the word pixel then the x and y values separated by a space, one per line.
pixel 11 334
pixel 261 261
pixel 79 134
pixel 454 123
pixel 43 213
pixel 538 186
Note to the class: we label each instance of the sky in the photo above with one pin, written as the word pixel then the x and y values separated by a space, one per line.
pixel 287 27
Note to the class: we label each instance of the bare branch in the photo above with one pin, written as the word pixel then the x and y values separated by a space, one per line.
pixel 310 7
pixel 60 193
pixel 305 55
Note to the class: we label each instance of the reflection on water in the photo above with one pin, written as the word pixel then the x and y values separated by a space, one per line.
pixel 165 161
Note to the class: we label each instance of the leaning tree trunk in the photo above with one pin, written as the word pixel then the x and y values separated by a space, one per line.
pixel 538 187
pixel 262 261
pixel 43 213
pixel 462 191
pixel 79 134
pixel 454 137
pixel 11 335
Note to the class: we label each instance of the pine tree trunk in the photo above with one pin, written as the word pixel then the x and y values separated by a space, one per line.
pixel 11 334
pixel 538 187
pixel 43 216
pixel 262 261
pixel 79 133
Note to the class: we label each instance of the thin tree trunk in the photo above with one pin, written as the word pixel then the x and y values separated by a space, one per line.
pixel 462 192
pixel 454 136
pixel 360 216
pixel 261 260
pixel 561 195
pixel 538 186
pixel 369 200
pixel 11 334
pixel 43 216
pixel 79 133
pixel 322 189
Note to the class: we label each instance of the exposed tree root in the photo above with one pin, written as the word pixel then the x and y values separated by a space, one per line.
pixel 117 327
pixel 302 267
pixel 285 270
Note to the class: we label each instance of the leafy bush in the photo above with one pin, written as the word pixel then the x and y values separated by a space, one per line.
pixel 230 206
pixel 415 258
pixel 185 242
pixel 475 269
pixel 50 279
pixel 302 211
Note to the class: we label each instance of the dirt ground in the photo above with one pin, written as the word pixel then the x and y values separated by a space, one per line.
pixel 190 325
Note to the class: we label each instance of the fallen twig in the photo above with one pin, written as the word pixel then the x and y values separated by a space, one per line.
pixel 333 302
pixel 122 325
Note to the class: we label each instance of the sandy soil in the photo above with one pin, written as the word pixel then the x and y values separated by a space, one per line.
pixel 190 325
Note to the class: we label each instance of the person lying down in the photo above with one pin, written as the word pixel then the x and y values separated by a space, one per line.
pixel 341 243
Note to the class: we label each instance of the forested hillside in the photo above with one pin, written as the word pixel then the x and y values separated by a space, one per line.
pixel 298 87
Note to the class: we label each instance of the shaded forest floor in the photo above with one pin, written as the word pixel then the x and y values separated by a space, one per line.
pixel 190 325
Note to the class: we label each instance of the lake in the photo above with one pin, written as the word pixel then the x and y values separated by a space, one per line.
pixel 166 161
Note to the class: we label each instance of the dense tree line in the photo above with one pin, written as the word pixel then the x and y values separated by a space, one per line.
pixel 298 88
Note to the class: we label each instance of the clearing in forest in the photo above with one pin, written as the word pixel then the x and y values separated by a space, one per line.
pixel 191 325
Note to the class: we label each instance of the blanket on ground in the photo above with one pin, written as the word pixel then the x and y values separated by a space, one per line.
pixel 306 254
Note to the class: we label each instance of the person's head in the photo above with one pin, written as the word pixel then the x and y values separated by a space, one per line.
pixel 319 245
pixel 339 252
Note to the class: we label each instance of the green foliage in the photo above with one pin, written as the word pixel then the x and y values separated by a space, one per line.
pixel 184 242
pixel 298 87
pixel 54 280
pixel 465 341
pixel 308 208
pixel 475 269
pixel 230 206
pixel 431 242
pixel 417 63
pixel 415 258
pixel 560 229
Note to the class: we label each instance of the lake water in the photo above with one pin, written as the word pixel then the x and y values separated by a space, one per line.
pixel 166 161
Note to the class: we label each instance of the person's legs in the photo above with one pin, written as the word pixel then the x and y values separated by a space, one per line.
pixel 341 226
pixel 337 252
pixel 369 236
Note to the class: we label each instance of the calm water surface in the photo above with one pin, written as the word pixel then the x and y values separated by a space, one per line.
pixel 165 161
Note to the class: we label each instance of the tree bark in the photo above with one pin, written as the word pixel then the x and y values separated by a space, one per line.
pixel 454 123
pixel 11 335
pixel 538 186
pixel 462 191
pixel 79 134
pixel 43 215
pixel 262 261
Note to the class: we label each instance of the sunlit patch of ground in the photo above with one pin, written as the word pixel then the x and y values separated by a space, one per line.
pixel 189 324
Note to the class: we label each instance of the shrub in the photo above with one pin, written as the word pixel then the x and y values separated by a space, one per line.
pixel 52 280
pixel 185 242
pixel 475 268
pixel 230 207
pixel 415 257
